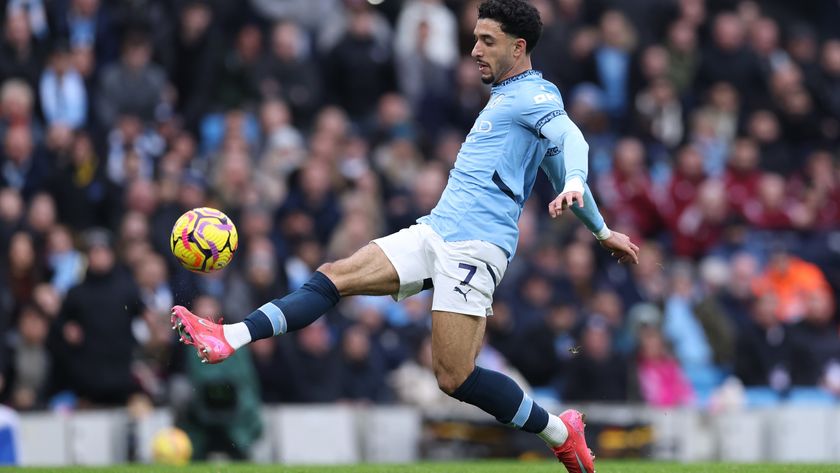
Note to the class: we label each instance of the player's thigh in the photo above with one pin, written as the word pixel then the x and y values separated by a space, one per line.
pixel 456 341
pixel 407 250
pixel 367 271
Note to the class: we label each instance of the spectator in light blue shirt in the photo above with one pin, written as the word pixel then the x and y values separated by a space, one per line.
pixel 62 91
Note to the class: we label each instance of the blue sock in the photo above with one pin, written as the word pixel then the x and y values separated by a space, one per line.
pixel 295 311
pixel 501 397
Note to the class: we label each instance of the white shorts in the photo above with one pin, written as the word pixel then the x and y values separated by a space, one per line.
pixel 464 274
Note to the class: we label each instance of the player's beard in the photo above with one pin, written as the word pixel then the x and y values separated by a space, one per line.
pixel 496 71
pixel 490 77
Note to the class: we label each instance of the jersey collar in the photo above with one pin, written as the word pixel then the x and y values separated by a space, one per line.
pixel 517 77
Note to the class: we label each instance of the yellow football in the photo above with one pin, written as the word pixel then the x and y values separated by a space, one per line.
pixel 171 446
pixel 204 240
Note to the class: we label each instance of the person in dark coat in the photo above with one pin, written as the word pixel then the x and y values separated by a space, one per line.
pixel 22 166
pixel 596 373
pixel 92 340
pixel 363 368
pixel 816 342
pixel 763 348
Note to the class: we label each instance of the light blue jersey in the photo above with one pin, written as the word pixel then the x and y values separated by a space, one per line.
pixel 498 162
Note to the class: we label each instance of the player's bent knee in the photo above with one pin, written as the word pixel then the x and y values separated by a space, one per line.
pixel 449 379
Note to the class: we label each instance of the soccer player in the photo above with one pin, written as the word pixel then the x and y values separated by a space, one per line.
pixel 463 247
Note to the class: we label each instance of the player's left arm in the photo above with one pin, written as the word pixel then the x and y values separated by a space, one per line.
pixel 574 159
pixel 567 171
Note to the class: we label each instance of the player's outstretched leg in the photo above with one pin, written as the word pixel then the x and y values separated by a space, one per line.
pixel 368 271
pixel 456 341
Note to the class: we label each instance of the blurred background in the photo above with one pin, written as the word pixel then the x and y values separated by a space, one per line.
pixel 318 125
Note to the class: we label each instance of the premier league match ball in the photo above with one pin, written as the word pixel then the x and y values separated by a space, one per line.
pixel 204 240
pixel 171 446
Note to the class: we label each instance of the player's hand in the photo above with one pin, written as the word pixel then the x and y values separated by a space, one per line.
pixel 563 202
pixel 621 248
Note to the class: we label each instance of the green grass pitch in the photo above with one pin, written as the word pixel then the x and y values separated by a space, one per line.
pixel 463 467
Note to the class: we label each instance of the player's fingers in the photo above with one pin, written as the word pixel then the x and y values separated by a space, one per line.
pixel 552 209
pixel 633 255
pixel 578 198
pixel 560 205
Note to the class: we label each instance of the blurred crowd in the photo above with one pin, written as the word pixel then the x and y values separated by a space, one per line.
pixel 318 125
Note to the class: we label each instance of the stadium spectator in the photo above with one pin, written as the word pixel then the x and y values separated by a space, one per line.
pixel 660 113
pixel 764 347
pixel 661 380
pixel 358 69
pixel 763 127
pixel 819 189
pixel 21 54
pixel 627 191
pixel 133 149
pixel 829 80
pixel 689 174
pixel 425 47
pixel 545 348
pixel 313 366
pixel 595 372
pixel 728 59
pixel 132 86
pixel 289 72
pixel 90 27
pixel 816 343
pixel 683 55
pixel 236 80
pixel 363 368
pixel 92 335
pixel 192 60
pixel 31 360
pixel 17 108
pixel 83 194
pixel 152 284
pixel 221 412
pixel 24 269
pixel 793 281
pixel 612 60
pixel 62 91
pixel 700 226
pixel 24 166
pixel 64 262
pixel 684 330
pixel 742 176
pixel 709 308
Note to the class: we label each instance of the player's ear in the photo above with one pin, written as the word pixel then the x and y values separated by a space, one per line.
pixel 519 46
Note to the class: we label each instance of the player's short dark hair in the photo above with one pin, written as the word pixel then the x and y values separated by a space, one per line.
pixel 516 17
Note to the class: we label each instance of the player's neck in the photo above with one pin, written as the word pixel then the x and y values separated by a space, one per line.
pixel 517 69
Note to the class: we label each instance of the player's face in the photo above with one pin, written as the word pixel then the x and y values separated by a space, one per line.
pixel 493 50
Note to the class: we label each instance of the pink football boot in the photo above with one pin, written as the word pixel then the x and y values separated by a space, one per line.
pixel 207 336
pixel 574 453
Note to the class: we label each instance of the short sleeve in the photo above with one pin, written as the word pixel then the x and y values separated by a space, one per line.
pixel 538 106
